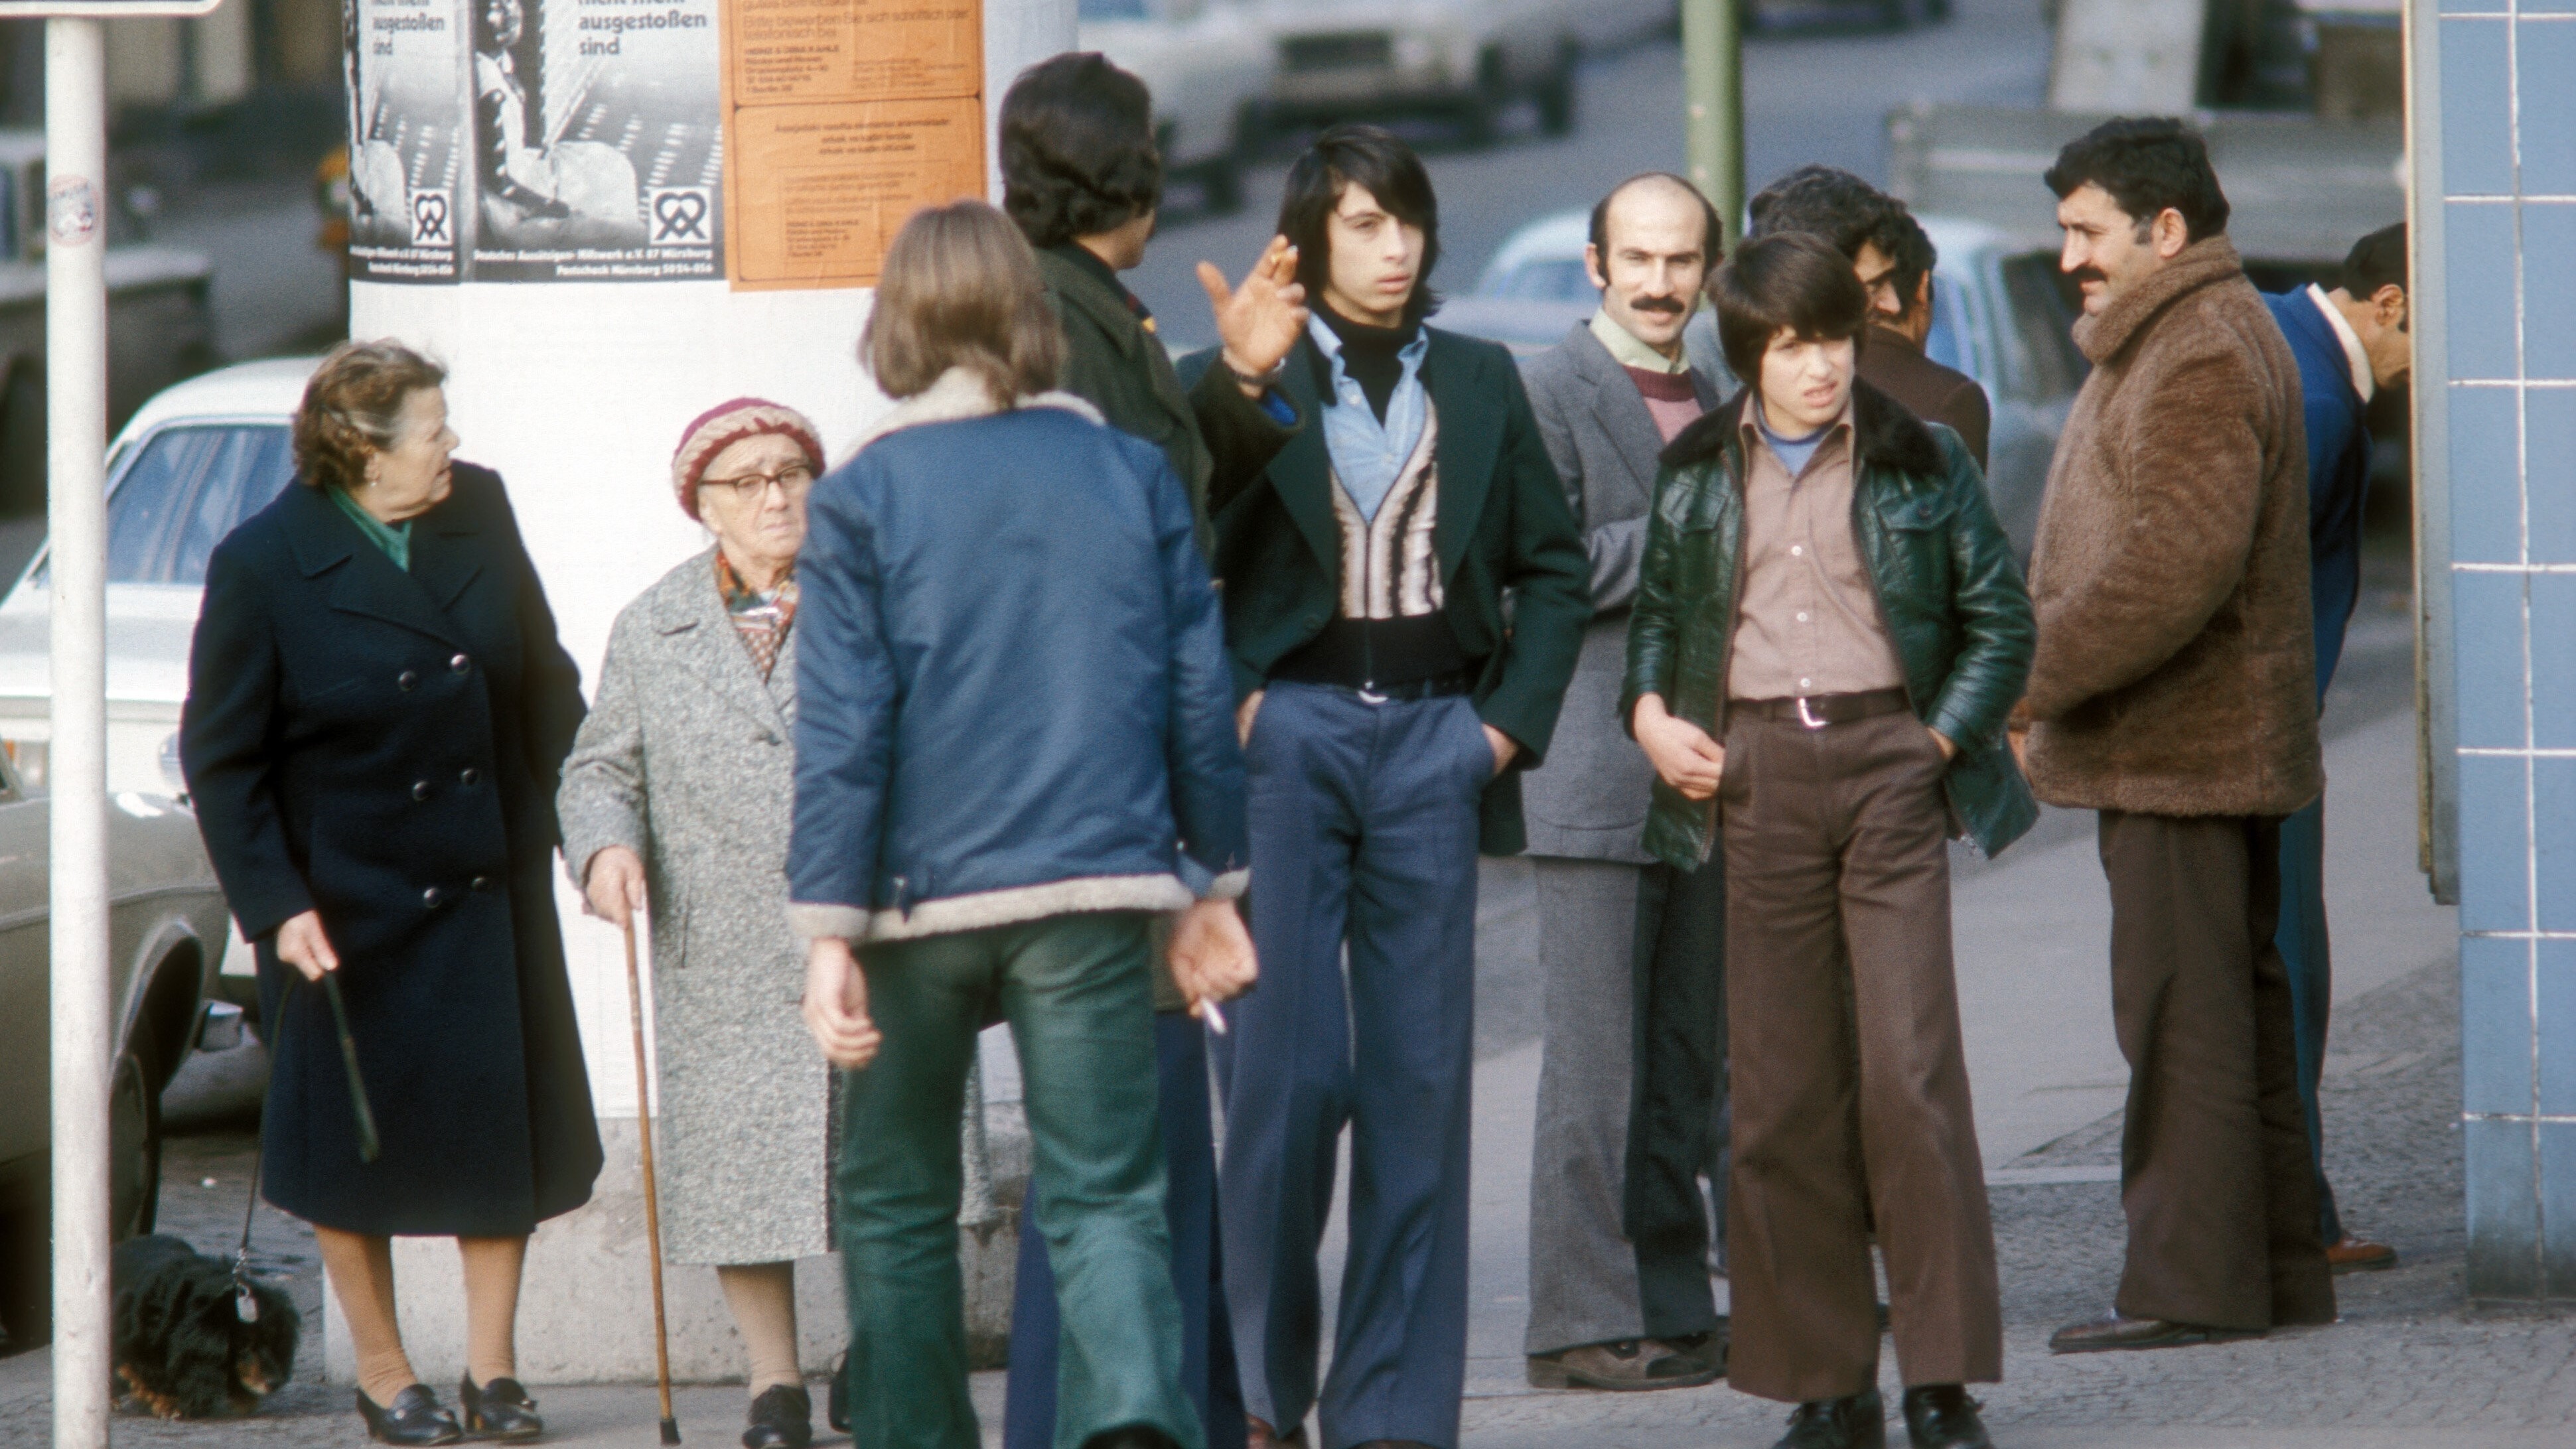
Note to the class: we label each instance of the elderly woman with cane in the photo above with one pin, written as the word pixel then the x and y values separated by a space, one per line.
pixel 677 794
pixel 377 711
pixel 1014 721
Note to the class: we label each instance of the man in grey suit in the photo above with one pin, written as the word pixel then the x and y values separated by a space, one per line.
pixel 1629 1079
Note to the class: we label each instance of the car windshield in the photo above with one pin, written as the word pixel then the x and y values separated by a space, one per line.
pixel 184 491
pixel 1112 10
pixel 1553 279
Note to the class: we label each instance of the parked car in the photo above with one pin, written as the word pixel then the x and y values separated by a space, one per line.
pixel 1999 314
pixel 166 933
pixel 1465 61
pixel 1208 64
pixel 160 327
pixel 194 461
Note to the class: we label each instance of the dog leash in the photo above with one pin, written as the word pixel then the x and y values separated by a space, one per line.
pixel 245 1302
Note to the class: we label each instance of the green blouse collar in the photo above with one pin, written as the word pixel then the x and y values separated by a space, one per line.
pixel 393 538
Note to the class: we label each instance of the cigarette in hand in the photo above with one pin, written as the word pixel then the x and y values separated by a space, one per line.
pixel 1215 1018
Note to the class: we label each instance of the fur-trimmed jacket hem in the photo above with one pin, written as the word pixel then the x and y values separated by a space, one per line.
pixel 1014 906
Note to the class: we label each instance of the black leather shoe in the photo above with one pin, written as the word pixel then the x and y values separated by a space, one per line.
pixel 414 1417
pixel 2117 1331
pixel 836 1402
pixel 499 1410
pixel 1857 1422
pixel 1942 1416
pixel 781 1418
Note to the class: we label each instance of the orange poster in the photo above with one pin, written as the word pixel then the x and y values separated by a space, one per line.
pixel 841 118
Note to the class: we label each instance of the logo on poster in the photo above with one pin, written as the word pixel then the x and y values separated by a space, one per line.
pixel 680 217
pixel 71 210
pixel 429 218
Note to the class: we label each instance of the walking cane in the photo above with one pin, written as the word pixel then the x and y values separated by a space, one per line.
pixel 652 1203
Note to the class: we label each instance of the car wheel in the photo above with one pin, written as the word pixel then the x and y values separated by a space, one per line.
pixel 26 1278
pixel 134 1143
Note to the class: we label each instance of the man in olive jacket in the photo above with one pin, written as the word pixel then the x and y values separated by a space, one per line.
pixel 2174 691
pixel 1826 592
pixel 1389 708
pixel 1082 179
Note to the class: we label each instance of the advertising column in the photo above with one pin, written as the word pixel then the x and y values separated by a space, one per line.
pixel 606 216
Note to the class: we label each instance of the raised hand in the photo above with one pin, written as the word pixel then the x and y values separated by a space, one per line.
pixel 1260 320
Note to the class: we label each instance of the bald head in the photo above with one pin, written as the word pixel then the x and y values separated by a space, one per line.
pixel 1654 238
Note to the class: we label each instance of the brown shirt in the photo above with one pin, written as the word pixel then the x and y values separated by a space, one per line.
pixel 1808 623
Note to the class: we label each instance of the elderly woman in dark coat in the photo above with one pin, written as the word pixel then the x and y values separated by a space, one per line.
pixel 377 710
pixel 678 791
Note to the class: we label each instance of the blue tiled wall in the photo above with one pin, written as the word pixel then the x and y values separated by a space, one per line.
pixel 2507 309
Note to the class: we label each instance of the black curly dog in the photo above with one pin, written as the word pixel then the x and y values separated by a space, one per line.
pixel 182 1348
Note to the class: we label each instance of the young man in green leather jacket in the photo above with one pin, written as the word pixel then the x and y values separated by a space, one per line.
pixel 1829 634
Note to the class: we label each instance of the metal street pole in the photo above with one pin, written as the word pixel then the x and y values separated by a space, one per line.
pixel 1713 93
pixel 76 516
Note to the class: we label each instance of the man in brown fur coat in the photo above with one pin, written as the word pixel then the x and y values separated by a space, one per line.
pixel 2174 692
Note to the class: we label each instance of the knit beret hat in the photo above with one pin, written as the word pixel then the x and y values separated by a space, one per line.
pixel 728 423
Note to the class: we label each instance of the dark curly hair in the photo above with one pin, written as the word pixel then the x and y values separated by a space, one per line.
pixel 1078 153
pixel 1908 245
pixel 2147 163
pixel 1823 201
pixel 352 409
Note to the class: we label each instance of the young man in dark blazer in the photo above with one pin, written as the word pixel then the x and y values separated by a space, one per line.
pixel 1388 706
pixel 1631 951
pixel 1082 179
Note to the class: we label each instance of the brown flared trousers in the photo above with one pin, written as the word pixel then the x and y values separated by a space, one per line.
pixel 1850 1086
pixel 2214 1168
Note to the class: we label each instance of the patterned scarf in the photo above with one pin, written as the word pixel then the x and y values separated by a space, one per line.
pixel 761 619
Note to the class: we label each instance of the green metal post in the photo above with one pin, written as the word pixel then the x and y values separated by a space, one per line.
pixel 1713 96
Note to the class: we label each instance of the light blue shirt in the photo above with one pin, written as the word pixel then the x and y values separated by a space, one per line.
pixel 1368 456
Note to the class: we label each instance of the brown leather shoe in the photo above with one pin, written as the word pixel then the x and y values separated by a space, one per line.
pixel 2114 1331
pixel 2349 1254
pixel 1628 1365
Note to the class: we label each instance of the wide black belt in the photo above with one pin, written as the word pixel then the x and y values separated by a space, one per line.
pixel 1816 711
pixel 1439 686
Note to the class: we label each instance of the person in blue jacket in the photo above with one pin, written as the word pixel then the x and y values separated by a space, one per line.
pixel 1015 720
pixel 2350 341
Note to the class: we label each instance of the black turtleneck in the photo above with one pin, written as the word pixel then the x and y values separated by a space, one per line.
pixel 1369 355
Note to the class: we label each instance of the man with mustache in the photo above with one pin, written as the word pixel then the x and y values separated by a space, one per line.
pixel 1630 949
pixel 2174 692
pixel 1893 257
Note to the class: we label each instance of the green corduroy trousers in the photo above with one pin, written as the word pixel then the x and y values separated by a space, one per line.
pixel 1078 993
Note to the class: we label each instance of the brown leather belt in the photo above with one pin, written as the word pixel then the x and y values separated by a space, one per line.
pixel 1816 711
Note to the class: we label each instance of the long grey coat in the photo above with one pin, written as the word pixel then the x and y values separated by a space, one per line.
pixel 686 760
pixel 1588 802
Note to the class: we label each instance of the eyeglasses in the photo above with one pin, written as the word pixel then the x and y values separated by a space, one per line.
pixel 752 487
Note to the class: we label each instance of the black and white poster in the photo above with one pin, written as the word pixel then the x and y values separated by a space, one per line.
pixel 595 141
pixel 405 62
